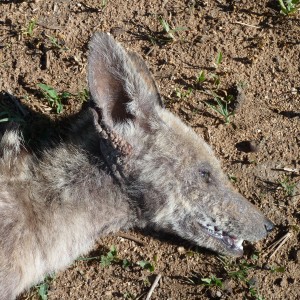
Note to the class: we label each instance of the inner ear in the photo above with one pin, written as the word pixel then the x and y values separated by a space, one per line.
pixel 119 111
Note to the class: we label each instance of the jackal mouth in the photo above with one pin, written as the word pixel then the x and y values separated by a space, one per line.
pixel 231 242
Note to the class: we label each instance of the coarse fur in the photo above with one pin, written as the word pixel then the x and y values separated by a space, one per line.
pixel 127 162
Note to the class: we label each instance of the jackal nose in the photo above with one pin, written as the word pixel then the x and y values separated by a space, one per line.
pixel 269 225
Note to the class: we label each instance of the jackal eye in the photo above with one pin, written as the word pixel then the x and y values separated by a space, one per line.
pixel 205 175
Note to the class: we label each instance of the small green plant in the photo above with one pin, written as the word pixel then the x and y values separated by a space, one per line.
pixel 30 28
pixel 43 288
pixel 288 7
pixel 220 104
pixel 83 95
pixel 110 257
pixel 288 186
pixel 277 269
pixel 240 271
pixel 221 107
pixel 129 295
pixel 168 30
pixel 104 3
pixel 43 291
pixel 214 76
pixel 182 93
pixel 54 98
pixel 254 292
pixel 201 77
pixel 219 59
pixel 232 178
pixel 56 43
pixel 126 263
pixel 212 281
pixel 146 265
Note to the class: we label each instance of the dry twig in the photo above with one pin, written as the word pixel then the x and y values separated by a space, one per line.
pixel 155 283
pixel 132 238
pixel 278 244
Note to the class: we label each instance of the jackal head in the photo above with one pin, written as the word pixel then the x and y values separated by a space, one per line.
pixel 170 175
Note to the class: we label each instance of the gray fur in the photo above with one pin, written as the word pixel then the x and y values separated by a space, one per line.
pixel 127 163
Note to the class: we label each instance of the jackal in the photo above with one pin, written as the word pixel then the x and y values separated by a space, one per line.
pixel 127 162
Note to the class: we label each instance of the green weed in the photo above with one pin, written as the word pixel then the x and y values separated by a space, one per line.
pixel 83 95
pixel 241 274
pixel 201 77
pixel 219 59
pixel 30 28
pixel 56 43
pixel 232 178
pixel 288 186
pixel 129 295
pixel 43 291
pixel 212 281
pixel 182 93
pixel 168 30
pixel 54 98
pixel 110 257
pixel 104 4
pixel 288 7
pixel 221 107
pixel 254 292
pixel 126 263
pixel 276 269
pixel 240 270
pixel 146 265
pixel 43 288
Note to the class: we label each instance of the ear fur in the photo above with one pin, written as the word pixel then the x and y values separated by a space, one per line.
pixel 120 83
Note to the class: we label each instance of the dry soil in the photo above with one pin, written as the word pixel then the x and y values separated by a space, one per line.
pixel 46 42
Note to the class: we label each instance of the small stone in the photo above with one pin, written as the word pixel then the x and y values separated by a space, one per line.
pixel 294 91
pixel 181 250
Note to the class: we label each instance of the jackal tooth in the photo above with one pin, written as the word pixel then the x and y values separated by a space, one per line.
pixel 239 243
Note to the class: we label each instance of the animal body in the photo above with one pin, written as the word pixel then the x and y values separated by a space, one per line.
pixel 127 162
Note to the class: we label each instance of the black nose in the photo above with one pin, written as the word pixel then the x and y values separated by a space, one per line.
pixel 269 225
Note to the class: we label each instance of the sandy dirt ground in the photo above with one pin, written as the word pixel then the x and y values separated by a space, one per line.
pixel 258 143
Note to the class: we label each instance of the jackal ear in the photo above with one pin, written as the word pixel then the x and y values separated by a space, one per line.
pixel 120 83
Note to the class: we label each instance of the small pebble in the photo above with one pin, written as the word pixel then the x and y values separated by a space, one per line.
pixel 294 91
pixel 181 250
pixel 218 294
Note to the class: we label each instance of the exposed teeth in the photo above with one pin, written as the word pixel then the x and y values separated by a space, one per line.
pixel 231 241
pixel 239 244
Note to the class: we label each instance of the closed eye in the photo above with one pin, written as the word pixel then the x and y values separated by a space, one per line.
pixel 205 175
